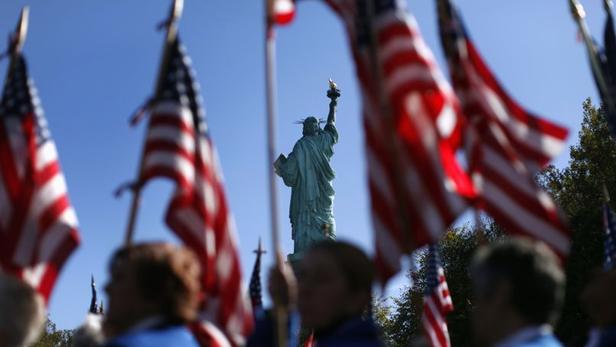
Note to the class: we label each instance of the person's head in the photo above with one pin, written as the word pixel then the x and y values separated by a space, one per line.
pixel 22 313
pixel 599 299
pixel 151 280
pixel 311 126
pixel 335 284
pixel 516 283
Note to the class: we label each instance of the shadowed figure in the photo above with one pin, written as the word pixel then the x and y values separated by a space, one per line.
pixel 308 172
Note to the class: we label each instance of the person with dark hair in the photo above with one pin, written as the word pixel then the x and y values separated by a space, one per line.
pixel 599 299
pixel 333 294
pixel 153 293
pixel 518 290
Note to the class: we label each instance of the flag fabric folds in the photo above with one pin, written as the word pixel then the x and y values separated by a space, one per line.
pixel 178 146
pixel 609 222
pixel 437 301
pixel 412 127
pixel 255 283
pixel 506 146
pixel 38 225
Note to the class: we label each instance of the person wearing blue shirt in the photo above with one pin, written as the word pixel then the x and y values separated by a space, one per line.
pixel 153 293
pixel 518 290
pixel 332 294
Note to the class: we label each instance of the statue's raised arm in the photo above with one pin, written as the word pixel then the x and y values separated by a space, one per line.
pixel 333 93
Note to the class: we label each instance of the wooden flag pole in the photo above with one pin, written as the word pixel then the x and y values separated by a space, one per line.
pixel 171 25
pixel 270 89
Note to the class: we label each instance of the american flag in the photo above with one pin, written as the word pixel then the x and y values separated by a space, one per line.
pixel 283 11
pixel 38 225
pixel 417 186
pixel 178 146
pixel 505 145
pixel 255 281
pixel 437 301
pixel 609 222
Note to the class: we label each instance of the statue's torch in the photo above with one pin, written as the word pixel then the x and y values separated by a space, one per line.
pixel 333 92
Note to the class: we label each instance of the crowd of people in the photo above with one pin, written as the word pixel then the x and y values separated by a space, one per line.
pixel 153 295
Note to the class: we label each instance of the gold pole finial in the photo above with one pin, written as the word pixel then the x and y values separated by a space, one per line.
pixel 577 10
pixel 21 31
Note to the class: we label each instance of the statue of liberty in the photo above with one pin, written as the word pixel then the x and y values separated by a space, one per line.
pixel 308 172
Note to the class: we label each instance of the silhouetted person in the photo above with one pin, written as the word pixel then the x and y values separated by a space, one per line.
pixel 518 288
pixel 153 292
pixel 332 296
pixel 22 313
pixel 599 299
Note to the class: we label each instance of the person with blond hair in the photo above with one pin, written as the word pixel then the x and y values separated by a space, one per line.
pixel 22 313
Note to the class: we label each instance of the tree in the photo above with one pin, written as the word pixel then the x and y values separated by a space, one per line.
pixel 578 190
pixel 52 337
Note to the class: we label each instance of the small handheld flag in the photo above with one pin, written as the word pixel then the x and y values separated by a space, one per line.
pixel 437 301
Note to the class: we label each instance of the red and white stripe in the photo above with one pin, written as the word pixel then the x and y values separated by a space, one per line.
pixel 198 212
pixel 435 308
pixel 506 146
pixel 38 225
pixel 283 11
pixel 417 186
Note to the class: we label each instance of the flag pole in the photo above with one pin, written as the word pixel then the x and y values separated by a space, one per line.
pixel 171 25
pixel 270 89
pixel 578 13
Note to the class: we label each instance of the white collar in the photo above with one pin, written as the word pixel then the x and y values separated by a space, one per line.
pixel 525 334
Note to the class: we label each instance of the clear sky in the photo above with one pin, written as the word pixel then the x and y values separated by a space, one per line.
pixel 95 61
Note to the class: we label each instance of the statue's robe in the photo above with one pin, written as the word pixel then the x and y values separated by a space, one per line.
pixel 308 172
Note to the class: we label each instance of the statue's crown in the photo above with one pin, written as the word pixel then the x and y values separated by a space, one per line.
pixel 301 121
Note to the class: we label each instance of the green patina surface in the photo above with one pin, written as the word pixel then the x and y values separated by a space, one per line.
pixel 308 172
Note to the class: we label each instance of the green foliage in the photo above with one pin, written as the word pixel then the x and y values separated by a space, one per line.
pixel 577 188
pixel 52 337
pixel 403 324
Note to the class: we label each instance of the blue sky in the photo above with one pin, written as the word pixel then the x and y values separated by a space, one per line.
pixel 95 61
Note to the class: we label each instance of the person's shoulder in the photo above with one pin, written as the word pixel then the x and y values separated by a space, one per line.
pixel 547 340
pixel 178 336
pixel 608 337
